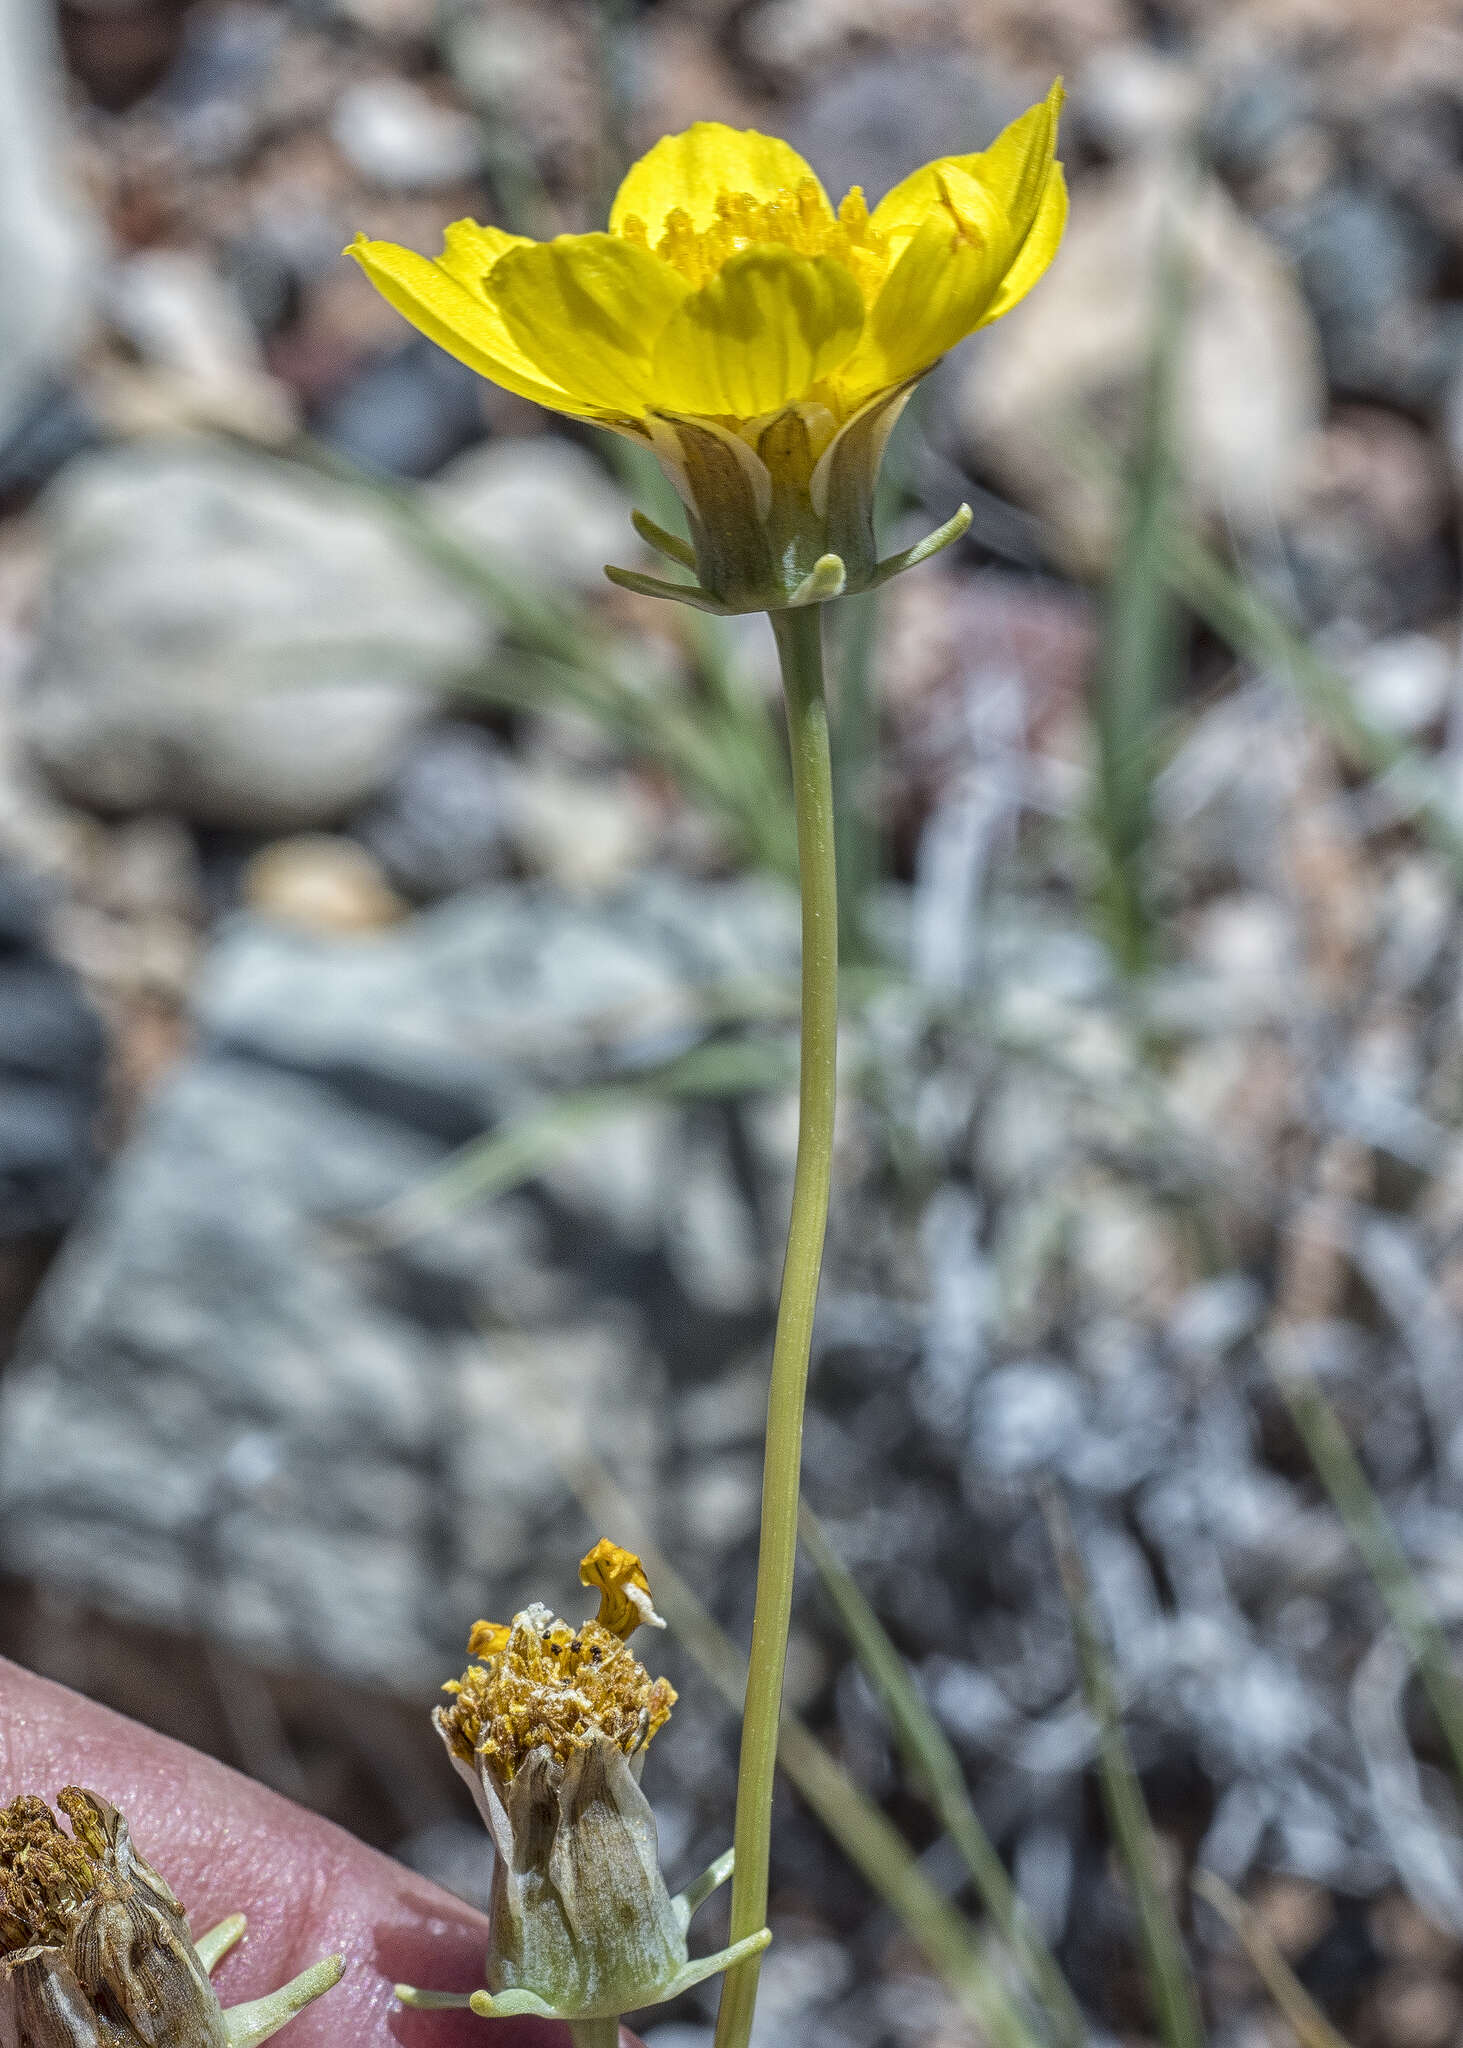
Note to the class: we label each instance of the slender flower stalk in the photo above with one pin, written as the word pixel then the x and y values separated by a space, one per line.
pixel 762 344
pixel 800 651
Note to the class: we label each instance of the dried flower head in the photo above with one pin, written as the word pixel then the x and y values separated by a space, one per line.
pixel 549 1727
pixel 95 1949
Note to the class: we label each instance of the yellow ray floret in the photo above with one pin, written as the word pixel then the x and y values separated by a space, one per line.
pixel 624 1590
pixel 727 287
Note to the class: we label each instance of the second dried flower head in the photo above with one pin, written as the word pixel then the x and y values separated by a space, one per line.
pixel 549 1727
pixel 95 1949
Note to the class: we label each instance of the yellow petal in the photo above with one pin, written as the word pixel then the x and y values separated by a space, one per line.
pixel 689 170
pixel 1014 170
pixel 1037 250
pixel 486 1639
pixel 939 289
pixel 588 309
pixel 469 251
pixel 765 328
pixel 462 322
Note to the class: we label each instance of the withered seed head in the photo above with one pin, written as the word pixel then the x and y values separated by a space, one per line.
pixel 95 1951
pixel 44 1875
pixel 43 2006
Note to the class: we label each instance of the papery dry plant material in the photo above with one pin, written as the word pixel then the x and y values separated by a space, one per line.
pixel 97 1951
pixel 549 1726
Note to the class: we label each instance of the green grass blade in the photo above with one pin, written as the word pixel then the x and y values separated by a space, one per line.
pixel 932 1762
pixel 488 1167
pixel 1249 623
pixel 1309 2024
pixel 1354 1499
pixel 1170 1982
pixel 1133 679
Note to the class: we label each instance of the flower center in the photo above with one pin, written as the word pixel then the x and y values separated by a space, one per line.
pixel 797 217
pixel 543 1684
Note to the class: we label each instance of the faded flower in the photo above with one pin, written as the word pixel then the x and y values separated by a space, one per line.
pixel 95 1950
pixel 549 1727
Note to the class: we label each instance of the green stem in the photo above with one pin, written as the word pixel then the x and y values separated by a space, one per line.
pixel 602 2033
pixel 1367 1524
pixel 800 649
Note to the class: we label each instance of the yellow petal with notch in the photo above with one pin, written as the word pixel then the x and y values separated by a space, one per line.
pixel 1037 250
pixel 768 326
pixel 469 251
pixel 1015 170
pixel 687 172
pixel 591 307
pixel 461 321
pixel 939 290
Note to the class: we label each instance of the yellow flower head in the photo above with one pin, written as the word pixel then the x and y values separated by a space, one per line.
pixel 760 341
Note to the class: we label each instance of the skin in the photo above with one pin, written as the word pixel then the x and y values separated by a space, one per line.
pixel 226 1845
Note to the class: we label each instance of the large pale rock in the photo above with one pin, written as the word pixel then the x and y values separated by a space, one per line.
pixel 265 1397
pixel 232 638
pixel 250 644
pixel 1055 384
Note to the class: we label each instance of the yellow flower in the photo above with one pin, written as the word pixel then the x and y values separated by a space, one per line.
pixel 762 343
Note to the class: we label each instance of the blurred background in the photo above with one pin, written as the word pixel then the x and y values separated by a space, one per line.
pixel 397 997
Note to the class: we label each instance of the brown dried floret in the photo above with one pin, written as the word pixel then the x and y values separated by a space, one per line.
pixel 95 1950
pixel 552 1686
pixel 45 1876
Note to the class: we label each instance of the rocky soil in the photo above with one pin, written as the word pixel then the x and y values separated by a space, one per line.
pixel 395 1019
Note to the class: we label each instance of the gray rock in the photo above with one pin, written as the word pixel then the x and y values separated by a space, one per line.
pixel 395 135
pixel 406 413
pixel 873 122
pixel 1026 1416
pixel 48 243
pixel 441 823
pixel 258 1400
pixel 1368 265
pixel 541 506
pixel 233 639
pixel 51 1057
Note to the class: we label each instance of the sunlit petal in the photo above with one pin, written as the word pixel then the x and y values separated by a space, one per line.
pixel 592 307
pixel 461 321
pixel 939 290
pixel 764 330
pixel 469 251
pixel 687 172
pixel 1037 250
